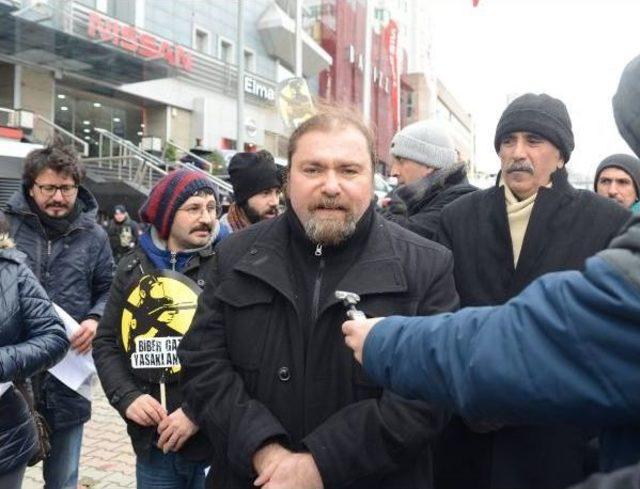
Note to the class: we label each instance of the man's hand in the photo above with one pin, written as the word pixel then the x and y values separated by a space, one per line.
pixel 146 411
pixel 355 334
pixel 175 430
pixel 293 471
pixel 81 339
pixel 266 459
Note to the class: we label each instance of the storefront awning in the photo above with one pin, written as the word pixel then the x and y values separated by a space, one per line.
pixel 41 43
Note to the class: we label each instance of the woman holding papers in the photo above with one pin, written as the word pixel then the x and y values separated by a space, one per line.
pixel 32 339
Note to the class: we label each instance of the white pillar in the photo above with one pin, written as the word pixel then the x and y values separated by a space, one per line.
pixel 17 87
pixel 139 13
pixel 298 60
pixel 240 102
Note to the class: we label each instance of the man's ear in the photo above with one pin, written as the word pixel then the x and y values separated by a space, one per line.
pixel 285 185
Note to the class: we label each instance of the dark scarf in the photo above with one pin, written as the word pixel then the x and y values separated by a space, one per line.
pixel 54 227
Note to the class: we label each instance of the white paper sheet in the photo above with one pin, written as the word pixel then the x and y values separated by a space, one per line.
pixel 4 387
pixel 75 371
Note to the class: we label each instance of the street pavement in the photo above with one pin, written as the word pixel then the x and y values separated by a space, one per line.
pixel 107 460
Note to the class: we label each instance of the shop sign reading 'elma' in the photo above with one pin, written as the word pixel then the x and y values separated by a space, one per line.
pixel 141 43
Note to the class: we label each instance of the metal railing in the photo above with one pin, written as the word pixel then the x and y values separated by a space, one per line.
pixel 222 185
pixel 120 159
pixel 61 130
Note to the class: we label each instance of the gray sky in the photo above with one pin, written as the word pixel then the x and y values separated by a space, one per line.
pixel 574 50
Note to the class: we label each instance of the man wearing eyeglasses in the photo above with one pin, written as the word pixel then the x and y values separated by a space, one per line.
pixel 53 221
pixel 151 303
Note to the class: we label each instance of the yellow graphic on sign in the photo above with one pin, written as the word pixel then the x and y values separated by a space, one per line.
pixel 158 312
pixel 294 102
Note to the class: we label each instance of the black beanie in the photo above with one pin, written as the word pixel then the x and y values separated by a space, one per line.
pixel 251 173
pixel 539 114
pixel 627 163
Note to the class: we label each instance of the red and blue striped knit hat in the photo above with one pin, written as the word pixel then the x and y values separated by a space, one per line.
pixel 169 194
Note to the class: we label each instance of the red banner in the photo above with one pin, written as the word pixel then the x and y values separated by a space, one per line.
pixel 391 44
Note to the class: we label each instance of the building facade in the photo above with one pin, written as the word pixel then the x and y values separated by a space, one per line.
pixel 168 69
pixel 339 26
pixel 140 68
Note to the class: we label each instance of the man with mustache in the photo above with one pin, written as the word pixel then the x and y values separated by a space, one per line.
pixel 182 212
pixel 531 223
pixel 265 366
pixel 256 190
pixel 53 221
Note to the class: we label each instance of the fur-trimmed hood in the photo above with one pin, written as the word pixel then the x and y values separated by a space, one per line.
pixel 6 242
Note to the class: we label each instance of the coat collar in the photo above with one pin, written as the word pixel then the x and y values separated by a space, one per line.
pixel 417 193
pixel 267 260
pixel 549 201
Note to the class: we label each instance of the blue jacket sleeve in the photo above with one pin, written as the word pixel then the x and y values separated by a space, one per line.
pixel 564 350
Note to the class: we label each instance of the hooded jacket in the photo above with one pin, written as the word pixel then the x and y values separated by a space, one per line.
pixel 76 271
pixel 32 339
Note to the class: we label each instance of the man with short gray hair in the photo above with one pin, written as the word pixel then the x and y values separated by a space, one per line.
pixel 425 163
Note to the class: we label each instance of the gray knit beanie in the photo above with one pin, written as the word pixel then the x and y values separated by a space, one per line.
pixel 539 114
pixel 426 142
pixel 627 163
pixel 626 109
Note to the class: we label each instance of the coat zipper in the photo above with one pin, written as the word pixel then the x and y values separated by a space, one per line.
pixel 317 286
pixel 314 317
pixel 173 260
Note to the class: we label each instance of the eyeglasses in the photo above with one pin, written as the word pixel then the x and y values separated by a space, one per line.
pixel 50 190
pixel 195 211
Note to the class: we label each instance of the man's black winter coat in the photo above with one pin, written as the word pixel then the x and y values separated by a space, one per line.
pixel 566 227
pixel 251 378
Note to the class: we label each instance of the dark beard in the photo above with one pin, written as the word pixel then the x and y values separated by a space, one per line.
pixel 251 214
